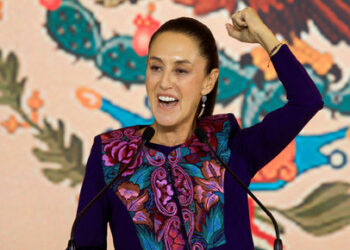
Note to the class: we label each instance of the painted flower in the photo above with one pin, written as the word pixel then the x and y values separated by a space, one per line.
pixel 122 152
pixel 207 191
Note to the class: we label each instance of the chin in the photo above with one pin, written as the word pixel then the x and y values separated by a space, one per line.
pixel 166 121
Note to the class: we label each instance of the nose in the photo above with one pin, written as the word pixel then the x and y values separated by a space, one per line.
pixel 167 81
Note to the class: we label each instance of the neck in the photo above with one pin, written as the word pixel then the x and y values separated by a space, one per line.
pixel 172 136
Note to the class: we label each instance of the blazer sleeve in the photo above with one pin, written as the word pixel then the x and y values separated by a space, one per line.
pixel 91 230
pixel 260 143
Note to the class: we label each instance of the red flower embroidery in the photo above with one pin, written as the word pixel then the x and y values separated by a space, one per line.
pixel 198 149
pixel 115 134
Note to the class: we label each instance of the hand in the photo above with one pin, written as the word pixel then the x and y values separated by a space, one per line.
pixel 248 27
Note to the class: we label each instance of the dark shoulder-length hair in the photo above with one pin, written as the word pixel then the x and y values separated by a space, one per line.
pixel 206 45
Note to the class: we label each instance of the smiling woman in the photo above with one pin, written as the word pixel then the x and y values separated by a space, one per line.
pixel 176 79
pixel 171 192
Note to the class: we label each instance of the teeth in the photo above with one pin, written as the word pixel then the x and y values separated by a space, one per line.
pixel 166 98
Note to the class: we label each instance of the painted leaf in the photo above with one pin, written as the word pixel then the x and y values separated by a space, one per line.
pixel 10 88
pixel 263 218
pixel 54 175
pixel 326 210
pixel 69 158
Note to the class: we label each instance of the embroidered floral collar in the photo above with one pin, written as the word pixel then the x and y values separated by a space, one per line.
pixel 159 192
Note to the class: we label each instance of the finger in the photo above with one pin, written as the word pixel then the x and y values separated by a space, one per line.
pixel 236 26
pixel 241 22
pixel 238 18
pixel 232 31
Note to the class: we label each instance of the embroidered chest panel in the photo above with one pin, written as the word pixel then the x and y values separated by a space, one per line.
pixel 175 198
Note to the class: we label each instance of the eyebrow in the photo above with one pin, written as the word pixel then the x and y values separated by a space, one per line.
pixel 177 61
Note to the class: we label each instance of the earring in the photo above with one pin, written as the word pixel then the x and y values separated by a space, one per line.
pixel 204 99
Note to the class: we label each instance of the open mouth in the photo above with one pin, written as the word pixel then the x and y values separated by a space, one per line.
pixel 167 101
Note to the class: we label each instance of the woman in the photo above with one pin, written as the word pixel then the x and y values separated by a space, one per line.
pixel 175 195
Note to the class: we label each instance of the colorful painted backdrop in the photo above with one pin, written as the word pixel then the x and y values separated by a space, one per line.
pixel 72 69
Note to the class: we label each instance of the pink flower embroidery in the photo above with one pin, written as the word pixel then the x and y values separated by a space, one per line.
pixel 122 152
pixel 206 190
pixel 128 191
pixel 164 191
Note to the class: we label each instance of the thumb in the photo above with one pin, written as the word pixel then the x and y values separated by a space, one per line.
pixel 232 31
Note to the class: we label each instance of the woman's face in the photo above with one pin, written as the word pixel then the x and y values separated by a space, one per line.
pixel 175 79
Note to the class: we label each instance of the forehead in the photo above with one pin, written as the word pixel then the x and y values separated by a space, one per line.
pixel 171 45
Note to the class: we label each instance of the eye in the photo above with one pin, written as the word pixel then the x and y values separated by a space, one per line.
pixel 154 68
pixel 181 71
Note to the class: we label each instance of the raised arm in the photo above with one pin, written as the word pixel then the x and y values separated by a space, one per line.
pixel 262 142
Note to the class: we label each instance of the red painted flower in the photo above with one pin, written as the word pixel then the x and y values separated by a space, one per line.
pixel 145 27
pixel 51 4
pixel 122 152
pixel 202 7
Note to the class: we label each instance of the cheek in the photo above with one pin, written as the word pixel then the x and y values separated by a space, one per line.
pixel 151 81
pixel 193 89
pixel 149 84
